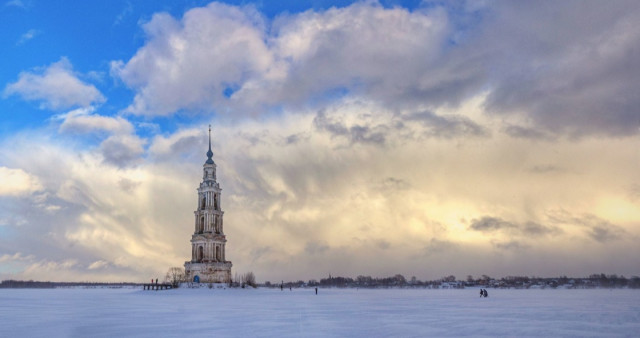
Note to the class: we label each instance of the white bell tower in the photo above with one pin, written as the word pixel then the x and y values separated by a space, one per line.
pixel 208 263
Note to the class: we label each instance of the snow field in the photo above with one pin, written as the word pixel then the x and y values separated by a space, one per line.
pixel 332 313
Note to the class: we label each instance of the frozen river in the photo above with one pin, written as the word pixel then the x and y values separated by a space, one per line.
pixel 331 313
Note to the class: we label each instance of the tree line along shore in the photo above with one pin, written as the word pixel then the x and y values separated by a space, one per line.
pixel 396 281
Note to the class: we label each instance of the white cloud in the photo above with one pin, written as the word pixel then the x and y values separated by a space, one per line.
pixel 56 87
pixel 98 265
pixel 226 58
pixel 121 146
pixel 127 11
pixel 17 257
pixel 188 64
pixel 17 3
pixel 386 54
pixel 30 34
pixel 82 120
pixel 16 182
pixel 232 60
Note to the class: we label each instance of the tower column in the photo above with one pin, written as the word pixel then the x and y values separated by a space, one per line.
pixel 208 260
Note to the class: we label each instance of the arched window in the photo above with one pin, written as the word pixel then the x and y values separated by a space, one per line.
pixel 218 253
pixel 201 228
pixel 215 201
pixel 200 254
pixel 204 203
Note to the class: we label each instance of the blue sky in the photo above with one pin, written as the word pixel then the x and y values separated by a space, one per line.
pixel 37 33
pixel 374 138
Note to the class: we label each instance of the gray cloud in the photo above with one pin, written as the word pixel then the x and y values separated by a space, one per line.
pixel 128 185
pixel 437 246
pixel 493 224
pixel 510 246
pixel 516 131
pixel 260 252
pixel 535 229
pixel 122 150
pixel 314 247
pixel 383 245
pixel 596 228
pixel 447 126
pixel 575 75
pixel 355 133
pixel 392 184
pixel 487 223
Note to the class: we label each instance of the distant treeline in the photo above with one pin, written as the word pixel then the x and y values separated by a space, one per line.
pixel 397 281
pixel 449 282
pixel 30 284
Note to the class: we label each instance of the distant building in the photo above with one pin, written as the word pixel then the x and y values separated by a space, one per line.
pixel 208 264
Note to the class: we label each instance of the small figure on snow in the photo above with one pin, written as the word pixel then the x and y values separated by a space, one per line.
pixel 481 293
pixel 316 291
pixel 485 293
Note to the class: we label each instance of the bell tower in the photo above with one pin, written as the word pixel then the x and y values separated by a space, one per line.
pixel 208 263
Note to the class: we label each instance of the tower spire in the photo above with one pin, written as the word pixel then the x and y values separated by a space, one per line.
pixel 209 153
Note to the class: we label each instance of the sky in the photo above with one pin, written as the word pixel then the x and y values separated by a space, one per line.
pixel 351 138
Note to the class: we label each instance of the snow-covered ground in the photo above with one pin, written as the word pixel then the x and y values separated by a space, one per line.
pixel 333 312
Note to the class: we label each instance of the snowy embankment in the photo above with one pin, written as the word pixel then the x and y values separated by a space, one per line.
pixel 333 312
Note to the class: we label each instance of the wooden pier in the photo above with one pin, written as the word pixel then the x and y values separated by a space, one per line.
pixel 156 286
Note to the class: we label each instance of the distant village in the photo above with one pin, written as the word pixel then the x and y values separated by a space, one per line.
pixel 450 282
pixel 397 281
